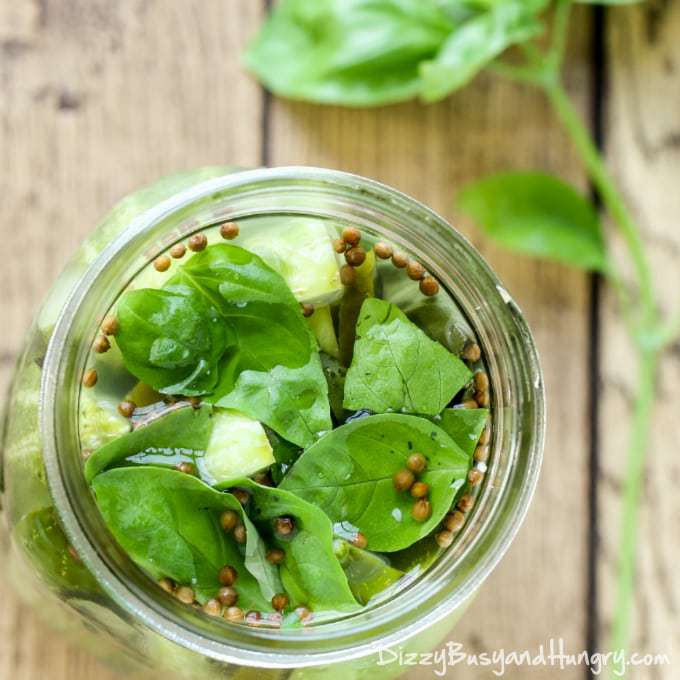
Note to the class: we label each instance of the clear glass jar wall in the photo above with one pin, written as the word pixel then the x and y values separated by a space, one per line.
pixel 57 550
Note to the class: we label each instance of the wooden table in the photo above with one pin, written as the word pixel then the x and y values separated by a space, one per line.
pixel 100 97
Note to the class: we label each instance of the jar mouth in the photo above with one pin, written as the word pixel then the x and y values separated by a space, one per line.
pixel 518 409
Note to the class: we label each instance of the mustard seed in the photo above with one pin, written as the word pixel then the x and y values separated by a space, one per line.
pixel 483 399
pixel 127 408
pixel 399 260
pixel 475 477
pixel 212 607
pixel 360 541
pixel 234 614
pixel 110 325
pixel 276 555
pixel 429 286
pixel 481 381
pixel 403 480
pixel 466 503
pixel 481 453
pixel 90 378
pixel 348 276
pixel 227 575
pixel 187 468
pixel 472 352
pixel 284 526
pixel 198 242
pixel 415 270
pixel 454 521
pixel 355 256
pixel 185 594
pixel 444 539
pixel 416 462
pixel 280 601
pixel 339 246
pixel 227 596
pixel 162 263
pixel 470 403
pixel 178 251
pixel 383 250
pixel 228 520
pixel 307 310
pixel 420 490
pixel 421 510
pixel 229 231
pixel 240 534
pixel 101 345
pixel 167 585
pixel 351 235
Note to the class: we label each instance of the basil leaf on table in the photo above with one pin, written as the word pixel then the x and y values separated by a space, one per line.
pixel 168 523
pixel 396 367
pixel 537 214
pixel 351 52
pixel 171 341
pixel 310 573
pixel 349 475
pixel 464 426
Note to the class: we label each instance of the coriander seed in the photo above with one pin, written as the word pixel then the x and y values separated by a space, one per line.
pixel 454 521
pixel 399 260
pixel 127 408
pixel 475 477
pixel 227 575
pixel 472 352
pixel 162 263
pixel 198 242
pixel 234 614
pixel 339 246
pixel 429 286
pixel 415 270
pixel 227 596
pixel 303 613
pixel 284 526
pixel 240 534
pixel 276 555
pixel 90 378
pixel 481 381
pixel 101 344
pixel 351 235
pixel 168 585
pixel 348 275
pixel 444 539
pixel 420 490
pixel 416 462
pixel 421 511
pixel 185 594
pixel 359 541
pixel 229 231
pixel 355 256
pixel 228 520
pixel 110 325
pixel 178 251
pixel 466 503
pixel 212 607
pixel 280 601
pixel 470 403
pixel 403 480
pixel 383 250
pixel 187 468
pixel 481 454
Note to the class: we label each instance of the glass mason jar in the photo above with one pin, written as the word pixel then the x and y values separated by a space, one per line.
pixel 56 548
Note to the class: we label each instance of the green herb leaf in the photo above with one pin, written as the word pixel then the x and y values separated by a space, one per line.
pixel 348 474
pixel 537 214
pixel 464 426
pixel 396 367
pixel 311 573
pixel 476 43
pixel 168 523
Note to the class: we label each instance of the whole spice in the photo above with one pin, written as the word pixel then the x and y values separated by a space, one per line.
pixel 198 242
pixel 229 231
pixel 383 250
pixel 351 235
pixel 227 596
pixel 421 510
pixel 429 286
pixel 90 378
pixel 178 251
pixel 227 575
pixel 162 263
pixel 403 480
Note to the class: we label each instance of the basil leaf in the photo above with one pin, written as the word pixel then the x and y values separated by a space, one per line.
pixel 170 341
pixel 311 573
pixel 464 426
pixel 537 214
pixel 348 474
pixel 168 523
pixel 351 52
pixel 396 367
pixel 476 43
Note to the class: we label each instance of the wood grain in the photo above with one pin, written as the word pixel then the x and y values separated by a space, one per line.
pixel 539 591
pixel 643 148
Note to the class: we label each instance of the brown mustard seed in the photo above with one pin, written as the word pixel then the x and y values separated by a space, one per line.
pixel 348 276
pixel 101 344
pixel 280 601
pixel 383 250
pixel 198 242
pixel 421 510
pixel 339 245
pixel 127 408
pixel 429 286
pixel 483 399
pixel 187 468
pixel 403 480
pixel 416 462
pixel 399 260
pixel 307 310
pixel 355 256
pixel 470 403
pixel 454 521
pixel 420 490
pixel 360 541
pixel 481 381
pixel 472 352
pixel 212 607
pixel 227 575
pixel 168 585
pixel 415 270
pixel 276 555
pixel 227 596
pixel 303 613
pixel 162 263
pixel 240 534
pixel 234 614
pixel 228 520
pixel 475 477
pixel 444 539
pixel 466 503
pixel 229 231
pixel 110 325
pixel 481 453
pixel 178 251
pixel 284 526
pixel 90 378
pixel 485 437
pixel 351 235
pixel 185 594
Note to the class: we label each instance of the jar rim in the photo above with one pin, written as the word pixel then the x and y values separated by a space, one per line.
pixel 389 625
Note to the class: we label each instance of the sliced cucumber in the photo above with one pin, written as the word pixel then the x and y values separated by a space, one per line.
pixel 99 421
pixel 238 447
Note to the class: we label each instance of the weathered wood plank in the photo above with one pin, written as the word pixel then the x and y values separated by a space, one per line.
pixel 643 147
pixel 98 98
pixel 539 591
